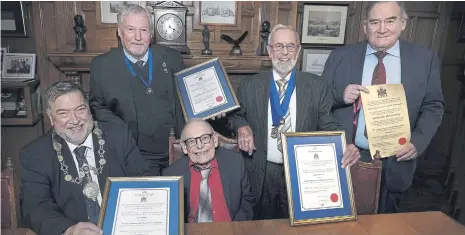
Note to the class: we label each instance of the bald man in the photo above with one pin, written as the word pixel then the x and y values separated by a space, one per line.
pixel 216 186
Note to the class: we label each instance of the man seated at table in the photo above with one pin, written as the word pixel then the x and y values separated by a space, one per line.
pixel 63 173
pixel 216 185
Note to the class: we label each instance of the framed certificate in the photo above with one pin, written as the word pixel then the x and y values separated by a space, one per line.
pixel 143 205
pixel 204 90
pixel 319 190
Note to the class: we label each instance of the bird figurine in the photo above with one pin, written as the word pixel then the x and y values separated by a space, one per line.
pixel 236 50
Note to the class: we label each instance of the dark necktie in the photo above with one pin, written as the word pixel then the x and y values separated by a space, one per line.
pixel 92 206
pixel 140 63
pixel 204 210
pixel 379 75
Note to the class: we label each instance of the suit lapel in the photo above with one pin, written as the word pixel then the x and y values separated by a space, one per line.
pixel 262 97
pixel 106 169
pixel 75 189
pixel 302 102
pixel 407 75
pixel 124 79
pixel 356 64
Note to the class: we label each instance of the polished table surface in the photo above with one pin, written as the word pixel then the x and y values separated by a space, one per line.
pixel 415 223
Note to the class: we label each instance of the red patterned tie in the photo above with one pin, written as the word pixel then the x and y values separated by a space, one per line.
pixel 379 75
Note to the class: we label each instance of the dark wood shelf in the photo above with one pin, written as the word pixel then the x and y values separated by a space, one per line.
pixel 34 115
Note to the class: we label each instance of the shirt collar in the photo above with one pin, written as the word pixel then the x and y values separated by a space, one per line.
pixel 394 50
pixel 88 143
pixel 213 164
pixel 134 60
pixel 277 77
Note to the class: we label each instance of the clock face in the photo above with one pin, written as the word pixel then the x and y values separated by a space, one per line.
pixel 169 26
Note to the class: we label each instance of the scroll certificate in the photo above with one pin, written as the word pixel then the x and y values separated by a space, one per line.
pixel 386 118
pixel 204 90
pixel 318 177
pixel 142 211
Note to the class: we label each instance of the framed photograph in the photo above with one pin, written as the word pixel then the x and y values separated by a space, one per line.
pixel 218 13
pixel 314 60
pixel 19 66
pixel 319 190
pixel 13 19
pixel 143 205
pixel 109 10
pixel 4 51
pixel 323 24
pixel 205 91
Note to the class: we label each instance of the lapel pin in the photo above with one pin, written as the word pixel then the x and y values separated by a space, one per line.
pixel 164 64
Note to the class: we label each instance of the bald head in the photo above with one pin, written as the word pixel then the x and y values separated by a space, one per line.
pixel 199 142
pixel 195 124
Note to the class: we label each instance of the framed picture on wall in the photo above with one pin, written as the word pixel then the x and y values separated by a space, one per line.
pixel 218 13
pixel 18 66
pixel 313 60
pixel 13 19
pixel 109 10
pixel 324 24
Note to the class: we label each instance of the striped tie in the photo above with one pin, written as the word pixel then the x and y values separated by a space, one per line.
pixel 287 117
pixel 204 210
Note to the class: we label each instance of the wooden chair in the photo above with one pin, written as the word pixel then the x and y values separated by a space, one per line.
pixel 9 194
pixel 366 177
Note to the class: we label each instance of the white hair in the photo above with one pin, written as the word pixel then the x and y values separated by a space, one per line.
pixel 281 26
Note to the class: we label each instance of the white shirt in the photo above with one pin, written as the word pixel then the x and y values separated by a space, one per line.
pixel 90 160
pixel 134 60
pixel 273 154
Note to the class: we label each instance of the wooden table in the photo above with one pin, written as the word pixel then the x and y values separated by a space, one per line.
pixel 418 223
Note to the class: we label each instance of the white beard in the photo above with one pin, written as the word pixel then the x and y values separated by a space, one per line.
pixel 283 68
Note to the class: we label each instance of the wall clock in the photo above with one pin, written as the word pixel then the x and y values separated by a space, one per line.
pixel 170 25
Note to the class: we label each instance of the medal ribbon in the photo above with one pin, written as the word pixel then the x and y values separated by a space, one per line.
pixel 149 61
pixel 279 110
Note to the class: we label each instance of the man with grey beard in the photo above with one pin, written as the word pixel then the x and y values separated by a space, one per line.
pixel 63 173
pixel 282 100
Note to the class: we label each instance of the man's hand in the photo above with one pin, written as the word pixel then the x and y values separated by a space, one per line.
pixel 245 139
pixel 351 156
pixel 352 92
pixel 84 228
pixel 407 152
pixel 221 115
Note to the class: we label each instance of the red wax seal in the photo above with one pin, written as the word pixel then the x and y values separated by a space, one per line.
pixel 219 99
pixel 334 197
pixel 402 140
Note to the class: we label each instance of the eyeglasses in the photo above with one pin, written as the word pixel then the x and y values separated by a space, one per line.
pixel 279 47
pixel 204 139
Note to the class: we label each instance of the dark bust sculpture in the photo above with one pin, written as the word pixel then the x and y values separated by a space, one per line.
pixel 206 41
pixel 80 29
pixel 264 34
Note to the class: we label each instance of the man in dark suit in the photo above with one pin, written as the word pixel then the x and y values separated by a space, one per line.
pixel 134 84
pixel 261 115
pixel 386 59
pixel 63 173
pixel 216 185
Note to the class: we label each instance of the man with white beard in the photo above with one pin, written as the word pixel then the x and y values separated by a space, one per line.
pixel 294 102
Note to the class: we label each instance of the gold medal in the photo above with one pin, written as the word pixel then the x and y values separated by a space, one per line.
pixel 274 132
pixel 91 190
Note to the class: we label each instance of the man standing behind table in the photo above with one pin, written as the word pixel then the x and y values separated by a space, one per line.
pixel 307 107
pixel 63 173
pixel 384 59
pixel 134 84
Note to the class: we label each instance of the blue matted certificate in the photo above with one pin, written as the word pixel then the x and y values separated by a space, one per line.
pixel 319 190
pixel 143 205
pixel 204 90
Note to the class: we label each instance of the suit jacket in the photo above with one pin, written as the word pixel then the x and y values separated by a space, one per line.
pixel 313 113
pixel 111 98
pixel 420 78
pixel 236 186
pixel 49 203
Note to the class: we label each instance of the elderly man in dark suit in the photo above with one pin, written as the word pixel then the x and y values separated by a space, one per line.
pixel 63 173
pixel 134 84
pixel 282 100
pixel 385 59
pixel 216 185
